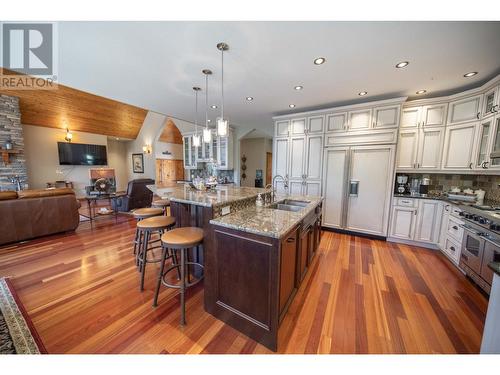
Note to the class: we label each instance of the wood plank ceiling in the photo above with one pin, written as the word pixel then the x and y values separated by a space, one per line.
pixel 171 133
pixel 78 110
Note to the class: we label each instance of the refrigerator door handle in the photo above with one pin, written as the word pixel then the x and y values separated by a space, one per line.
pixel 353 188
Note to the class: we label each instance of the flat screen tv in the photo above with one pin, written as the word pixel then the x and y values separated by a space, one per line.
pixel 81 154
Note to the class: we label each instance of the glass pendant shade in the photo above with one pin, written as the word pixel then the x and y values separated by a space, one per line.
pixel 207 135
pixel 222 127
pixel 196 140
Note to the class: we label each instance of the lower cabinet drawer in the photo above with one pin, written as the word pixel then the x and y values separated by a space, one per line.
pixel 452 249
pixel 405 202
pixel 454 229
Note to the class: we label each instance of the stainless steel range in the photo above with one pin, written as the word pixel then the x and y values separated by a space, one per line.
pixel 481 243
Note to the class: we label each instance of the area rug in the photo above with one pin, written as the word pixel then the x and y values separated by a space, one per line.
pixel 17 333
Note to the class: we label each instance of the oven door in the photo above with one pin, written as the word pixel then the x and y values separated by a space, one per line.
pixel 472 249
pixel 491 254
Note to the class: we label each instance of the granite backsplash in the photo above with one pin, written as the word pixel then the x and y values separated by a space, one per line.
pixel 441 183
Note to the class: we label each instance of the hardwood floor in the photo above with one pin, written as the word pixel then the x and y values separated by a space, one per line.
pixel 361 296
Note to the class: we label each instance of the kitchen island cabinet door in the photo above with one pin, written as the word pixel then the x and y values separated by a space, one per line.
pixel 302 261
pixel 288 270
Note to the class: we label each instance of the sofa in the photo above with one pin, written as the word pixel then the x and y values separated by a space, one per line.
pixel 138 196
pixel 29 214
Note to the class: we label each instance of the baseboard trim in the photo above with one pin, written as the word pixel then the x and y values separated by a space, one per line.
pixel 414 243
pixel 352 233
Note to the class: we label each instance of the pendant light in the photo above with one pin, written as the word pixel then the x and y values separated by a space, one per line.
pixel 196 136
pixel 207 134
pixel 222 126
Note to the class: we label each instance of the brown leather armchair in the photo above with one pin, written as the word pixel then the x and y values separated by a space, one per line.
pixel 138 195
pixel 34 213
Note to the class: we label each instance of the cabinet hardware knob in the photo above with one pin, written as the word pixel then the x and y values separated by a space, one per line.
pixel 418 165
pixel 452 248
pixel 470 165
pixel 478 114
pixel 455 227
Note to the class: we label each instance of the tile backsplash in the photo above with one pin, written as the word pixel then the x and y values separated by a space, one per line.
pixel 441 183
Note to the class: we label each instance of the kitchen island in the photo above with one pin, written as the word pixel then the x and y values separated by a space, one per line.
pixel 255 258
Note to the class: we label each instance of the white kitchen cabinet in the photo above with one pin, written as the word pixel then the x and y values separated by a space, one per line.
pixel 430 146
pixel 403 221
pixel 360 119
pixel 281 156
pixel 336 122
pixel 407 149
pixel 298 126
pixel 464 110
pixel 386 117
pixel 314 155
pixel 296 187
pixel 282 128
pixel 224 154
pixel 189 152
pixel 297 157
pixel 410 117
pixel 433 115
pixel 490 102
pixel 494 148
pixel 312 188
pixel 459 147
pixel 315 125
pixel 428 221
pixel 444 225
pixel 483 144
pixel 334 171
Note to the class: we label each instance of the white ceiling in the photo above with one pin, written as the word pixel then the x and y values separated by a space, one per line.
pixel 155 64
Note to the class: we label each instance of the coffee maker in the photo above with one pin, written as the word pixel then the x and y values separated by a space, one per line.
pixel 401 184
pixel 424 186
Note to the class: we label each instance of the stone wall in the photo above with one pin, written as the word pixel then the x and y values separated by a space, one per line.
pixel 10 127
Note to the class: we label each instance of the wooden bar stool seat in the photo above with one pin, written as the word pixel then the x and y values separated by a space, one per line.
pixel 141 214
pixel 145 228
pixel 179 239
pixel 163 204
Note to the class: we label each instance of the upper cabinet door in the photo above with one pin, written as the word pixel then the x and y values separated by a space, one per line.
pixel 386 117
pixel 297 157
pixel 483 142
pixel 494 148
pixel 282 128
pixel 490 102
pixel 336 122
pixel 315 124
pixel 280 156
pixel 434 115
pixel 465 110
pixel 410 117
pixel 407 149
pixel 314 156
pixel 360 120
pixel 298 126
pixel 459 146
pixel 430 146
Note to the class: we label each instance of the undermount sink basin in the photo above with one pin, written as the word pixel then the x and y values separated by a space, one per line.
pixel 285 207
pixel 294 202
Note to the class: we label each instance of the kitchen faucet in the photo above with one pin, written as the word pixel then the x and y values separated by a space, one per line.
pixel 285 185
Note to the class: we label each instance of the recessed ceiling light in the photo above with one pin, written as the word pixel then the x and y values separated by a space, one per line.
pixel 291 105
pixel 213 106
pixel 298 88
pixel 402 64
pixel 319 60
pixel 470 74
pixel 209 120
pixel 117 139
pixel 421 92
pixel 249 98
pixel 362 93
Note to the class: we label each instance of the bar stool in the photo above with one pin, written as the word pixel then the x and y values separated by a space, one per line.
pixel 141 214
pixel 146 227
pixel 161 203
pixel 179 239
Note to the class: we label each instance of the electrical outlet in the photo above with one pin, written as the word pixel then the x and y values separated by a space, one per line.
pixel 225 210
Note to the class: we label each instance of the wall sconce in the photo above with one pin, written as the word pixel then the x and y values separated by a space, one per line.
pixel 69 135
pixel 146 149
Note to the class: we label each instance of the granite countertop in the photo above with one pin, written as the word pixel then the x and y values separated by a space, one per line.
pixel 495 266
pixel 266 221
pixel 446 199
pixel 222 194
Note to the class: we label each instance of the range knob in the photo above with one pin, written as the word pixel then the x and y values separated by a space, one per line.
pixel 462 214
pixel 494 226
pixel 476 218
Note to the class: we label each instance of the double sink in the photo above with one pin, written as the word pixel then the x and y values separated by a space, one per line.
pixel 289 205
